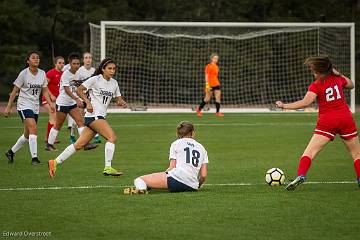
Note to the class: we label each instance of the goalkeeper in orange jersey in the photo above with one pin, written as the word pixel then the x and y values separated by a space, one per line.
pixel 212 85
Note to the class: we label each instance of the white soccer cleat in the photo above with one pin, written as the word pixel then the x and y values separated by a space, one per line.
pixel 298 180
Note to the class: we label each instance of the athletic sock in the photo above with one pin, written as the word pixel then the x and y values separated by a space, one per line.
pixel 304 165
pixel 140 184
pixel 357 167
pixel 217 104
pixel 19 143
pixel 72 131
pixel 80 129
pixel 52 136
pixel 202 105
pixel 109 153
pixel 70 150
pixel 33 145
pixel 49 126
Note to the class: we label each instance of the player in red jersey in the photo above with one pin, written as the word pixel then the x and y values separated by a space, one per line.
pixel 334 115
pixel 53 76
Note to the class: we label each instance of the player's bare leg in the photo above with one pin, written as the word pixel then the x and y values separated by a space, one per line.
pixel 31 125
pixel 102 127
pixel 156 180
pixel 86 135
pixel 79 120
pixel 217 94
pixel 316 144
pixel 353 147
pixel 60 118
pixel 208 94
pixel 18 145
pixel 51 121
pixel 143 183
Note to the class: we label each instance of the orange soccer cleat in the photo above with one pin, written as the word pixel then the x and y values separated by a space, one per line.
pixel 198 112
pixel 52 168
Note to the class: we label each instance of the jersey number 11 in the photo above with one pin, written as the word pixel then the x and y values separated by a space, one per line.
pixel 105 99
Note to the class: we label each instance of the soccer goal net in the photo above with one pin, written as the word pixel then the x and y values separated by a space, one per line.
pixel 161 64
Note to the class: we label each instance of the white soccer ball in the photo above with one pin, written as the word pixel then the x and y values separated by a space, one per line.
pixel 275 177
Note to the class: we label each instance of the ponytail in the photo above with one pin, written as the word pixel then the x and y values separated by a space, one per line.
pixel 185 128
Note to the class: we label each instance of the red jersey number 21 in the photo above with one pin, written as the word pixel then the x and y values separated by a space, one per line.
pixel 331 95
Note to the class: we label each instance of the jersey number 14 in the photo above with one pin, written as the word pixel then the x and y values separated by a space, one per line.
pixel 330 94
pixel 35 91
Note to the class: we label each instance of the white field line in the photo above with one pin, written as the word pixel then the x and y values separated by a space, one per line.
pixel 122 186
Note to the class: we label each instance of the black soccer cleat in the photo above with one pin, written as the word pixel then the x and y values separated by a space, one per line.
pixel 50 147
pixel 90 146
pixel 10 156
pixel 35 161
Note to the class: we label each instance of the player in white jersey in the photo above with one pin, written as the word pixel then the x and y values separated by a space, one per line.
pixel 102 88
pixel 187 170
pixel 70 120
pixel 30 83
pixel 68 102
pixel 84 72
pixel 66 66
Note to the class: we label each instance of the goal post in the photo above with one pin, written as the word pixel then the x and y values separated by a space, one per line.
pixel 161 64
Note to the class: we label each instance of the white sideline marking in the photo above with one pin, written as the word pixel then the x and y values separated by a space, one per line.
pixel 122 186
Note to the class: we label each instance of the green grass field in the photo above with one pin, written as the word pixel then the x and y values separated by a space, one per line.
pixel 241 148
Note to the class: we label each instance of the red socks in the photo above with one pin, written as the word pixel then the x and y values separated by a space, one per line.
pixel 357 167
pixel 49 126
pixel 304 165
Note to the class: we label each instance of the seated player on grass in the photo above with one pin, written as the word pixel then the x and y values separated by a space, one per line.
pixel 334 115
pixel 187 170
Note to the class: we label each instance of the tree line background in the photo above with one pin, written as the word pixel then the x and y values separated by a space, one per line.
pixel 59 27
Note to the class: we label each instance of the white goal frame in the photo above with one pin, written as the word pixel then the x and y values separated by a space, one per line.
pixel 103 25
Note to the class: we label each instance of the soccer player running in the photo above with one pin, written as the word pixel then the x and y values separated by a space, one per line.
pixel 68 102
pixel 187 170
pixel 29 84
pixel 53 77
pixel 334 115
pixel 212 85
pixel 85 72
pixel 101 88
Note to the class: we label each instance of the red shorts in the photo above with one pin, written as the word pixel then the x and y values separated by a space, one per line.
pixel 329 127
pixel 43 100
